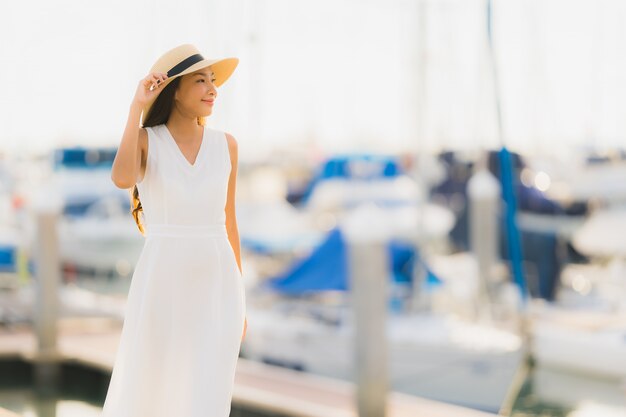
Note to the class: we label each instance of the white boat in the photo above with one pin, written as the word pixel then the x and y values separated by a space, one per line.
pixel 97 233
pixel 584 342
pixel 103 240
pixel 431 356
pixel 584 330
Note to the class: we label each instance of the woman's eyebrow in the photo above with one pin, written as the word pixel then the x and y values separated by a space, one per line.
pixel 204 73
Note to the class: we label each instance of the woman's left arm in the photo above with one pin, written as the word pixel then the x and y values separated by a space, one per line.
pixel 231 218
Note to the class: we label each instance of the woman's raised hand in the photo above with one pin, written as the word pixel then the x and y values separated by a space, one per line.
pixel 148 87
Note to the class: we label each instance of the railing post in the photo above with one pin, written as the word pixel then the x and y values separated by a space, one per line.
pixel 48 278
pixel 484 195
pixel 369 286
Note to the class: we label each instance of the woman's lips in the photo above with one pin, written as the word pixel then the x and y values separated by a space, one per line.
pixel 208 102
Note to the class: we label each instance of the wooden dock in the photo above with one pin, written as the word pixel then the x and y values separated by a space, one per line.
pixel 93 342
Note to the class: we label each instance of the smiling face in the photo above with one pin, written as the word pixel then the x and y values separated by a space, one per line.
pixel 196 92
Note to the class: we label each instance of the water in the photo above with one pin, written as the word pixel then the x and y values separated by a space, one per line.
pixel 81 393
pixel 553 393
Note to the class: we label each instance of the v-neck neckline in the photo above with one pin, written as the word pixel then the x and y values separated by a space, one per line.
pixel 180 152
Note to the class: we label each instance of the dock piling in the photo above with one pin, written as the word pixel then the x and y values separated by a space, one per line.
pixel 48 279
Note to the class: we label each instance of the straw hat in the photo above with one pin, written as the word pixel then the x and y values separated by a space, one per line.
pixel 185 59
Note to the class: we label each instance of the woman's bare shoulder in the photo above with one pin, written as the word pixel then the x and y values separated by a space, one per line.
pixel 232 142
pixel 232 147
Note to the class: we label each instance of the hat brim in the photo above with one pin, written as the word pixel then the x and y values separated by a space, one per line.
pixel 222 68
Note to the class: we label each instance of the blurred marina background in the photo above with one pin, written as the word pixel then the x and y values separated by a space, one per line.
pixel 431 196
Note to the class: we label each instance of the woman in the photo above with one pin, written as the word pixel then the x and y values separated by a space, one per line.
pixel 185 314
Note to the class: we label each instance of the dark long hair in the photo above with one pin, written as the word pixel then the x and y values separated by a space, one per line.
pixel 159 114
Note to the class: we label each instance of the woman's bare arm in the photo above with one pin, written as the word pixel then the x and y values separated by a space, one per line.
pixel 231 218
pixel 127 163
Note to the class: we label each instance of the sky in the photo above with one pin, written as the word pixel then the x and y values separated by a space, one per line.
pixel 326 75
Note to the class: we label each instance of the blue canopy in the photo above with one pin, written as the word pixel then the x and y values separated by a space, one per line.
pixel 326 268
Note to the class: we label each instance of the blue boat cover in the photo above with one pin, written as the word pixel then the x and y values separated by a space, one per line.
pixel 354 166
pixel 326 268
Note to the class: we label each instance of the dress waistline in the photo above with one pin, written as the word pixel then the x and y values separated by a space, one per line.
pixel 184 230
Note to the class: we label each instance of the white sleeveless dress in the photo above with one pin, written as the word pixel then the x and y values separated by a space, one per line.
pixel 185 310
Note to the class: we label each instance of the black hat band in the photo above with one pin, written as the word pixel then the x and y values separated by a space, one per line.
pixel 184 64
